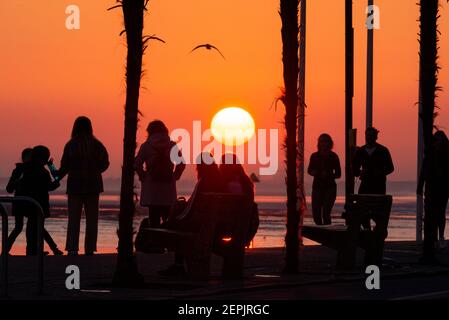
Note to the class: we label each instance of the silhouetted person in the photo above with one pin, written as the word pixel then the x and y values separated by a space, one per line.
pixel 209 180
pixel 84 160
pixel 18 211
pixel 157 172
pixel 372 163
pixel 236 181
pixel 324 166
pixel 435 177
pixel 36 182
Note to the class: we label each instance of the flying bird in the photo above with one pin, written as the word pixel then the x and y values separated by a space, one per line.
pixel 208 47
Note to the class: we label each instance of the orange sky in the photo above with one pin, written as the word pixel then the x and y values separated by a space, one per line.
pixel 50 75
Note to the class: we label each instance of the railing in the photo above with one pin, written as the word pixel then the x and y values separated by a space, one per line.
pixel 40 241
pixel 4 256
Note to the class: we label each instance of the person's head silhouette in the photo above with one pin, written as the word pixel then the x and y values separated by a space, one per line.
pixel 82 128
pixel 206 166
pixel 325 143
pixel 26 155
pixel 156 126
pixel 371 135
pixel 40 155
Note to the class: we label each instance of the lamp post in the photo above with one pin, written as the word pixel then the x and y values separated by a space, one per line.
pixel 369 65
pixel 349 93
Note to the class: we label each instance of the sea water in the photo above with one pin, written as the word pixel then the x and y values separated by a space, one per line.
pixel 271 233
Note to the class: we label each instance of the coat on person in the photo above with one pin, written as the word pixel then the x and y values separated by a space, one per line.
pixel 84 160
pixel 153 158
pixel 373 165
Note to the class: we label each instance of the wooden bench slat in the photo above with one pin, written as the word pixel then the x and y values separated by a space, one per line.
pixel 214 213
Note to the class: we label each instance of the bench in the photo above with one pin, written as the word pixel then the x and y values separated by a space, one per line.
pixel 357 232
pixel 222 223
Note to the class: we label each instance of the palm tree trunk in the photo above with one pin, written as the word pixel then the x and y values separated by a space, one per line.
pixel 428 78
pixel 428 67
pixel 290 30
pixel 126 272
pixel 301 112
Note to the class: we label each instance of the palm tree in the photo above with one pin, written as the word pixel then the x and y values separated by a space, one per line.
pixel 126 273
pixel 290 45
pixel 428 78
pixel 301 110
pixel 428 66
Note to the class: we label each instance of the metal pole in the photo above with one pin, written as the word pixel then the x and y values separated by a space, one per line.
pixel 4 215
pixel 349 93
pixel 40 252
pixel 369 68
pixel 40 236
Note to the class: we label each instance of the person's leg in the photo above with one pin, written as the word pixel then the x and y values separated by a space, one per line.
pixel 442 217
pixel 75 206
pixel 155 216
pixel 165 212
pixel 51 243
pixel 329 200
pixel 91 209
pixel 317 206
pixel 364 187
pixel 430 229
pixel 175 270
pixel 18 227
pixel 31 234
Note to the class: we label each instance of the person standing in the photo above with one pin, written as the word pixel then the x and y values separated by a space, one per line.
pixel 324 166
pixel 36 182
pixel 13 187
pixel 372 163
pixel 157 172
pixel 435 177
pixel 84 160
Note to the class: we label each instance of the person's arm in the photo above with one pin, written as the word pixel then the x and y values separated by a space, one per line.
pixel 54 185
pixel 311 170
pixel 337 169
pixel 13 181
pixel 139 162
pixel 389 167
pixel 356 164
pixel 180 167
pixel 65 163
pixel 103 158
pixel 51 184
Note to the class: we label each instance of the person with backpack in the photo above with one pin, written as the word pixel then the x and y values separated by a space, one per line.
pixel 236 181
pixel 158 173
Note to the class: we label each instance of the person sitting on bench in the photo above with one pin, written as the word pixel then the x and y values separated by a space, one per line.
pixel 209 180
pixel 236 181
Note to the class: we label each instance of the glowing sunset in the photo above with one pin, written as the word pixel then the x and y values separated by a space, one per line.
pixel 232 126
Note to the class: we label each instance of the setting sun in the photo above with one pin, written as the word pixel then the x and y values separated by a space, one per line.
pixel 232 126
